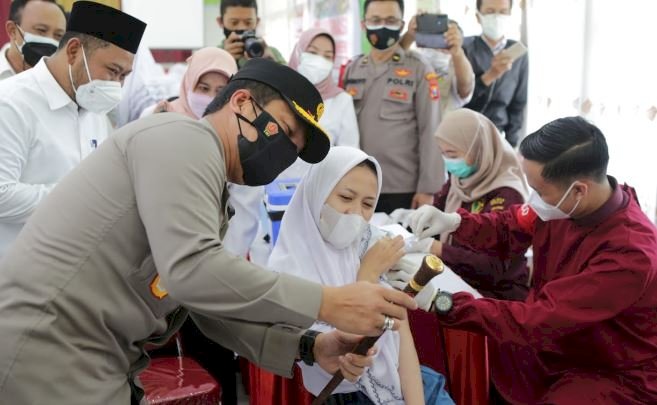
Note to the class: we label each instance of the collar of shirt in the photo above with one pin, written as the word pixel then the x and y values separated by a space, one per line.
pixel 618 200
pixel 497 48
pixel 56 96
pixel 5 68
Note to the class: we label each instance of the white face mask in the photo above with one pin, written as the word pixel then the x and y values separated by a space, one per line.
pixel 494 26
pixel 99 96
pixel 314 67
pixel 549 212
pixel 439 60
pixel 340 230
pixel 198 103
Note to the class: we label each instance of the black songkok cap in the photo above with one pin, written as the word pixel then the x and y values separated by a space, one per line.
pixel 106 23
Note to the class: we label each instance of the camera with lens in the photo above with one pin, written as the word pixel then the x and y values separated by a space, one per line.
pixel 253 46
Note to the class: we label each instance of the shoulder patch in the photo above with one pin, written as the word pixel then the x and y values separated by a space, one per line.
pixel 498 201
pixel 526 218
pixel 477 206
pixel 157 290
pixel 434 87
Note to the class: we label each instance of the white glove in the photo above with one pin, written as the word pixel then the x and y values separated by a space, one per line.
pixel 401 216
pixel 426 296
pixel 402 272
pixel 419 246
pixel 429 221
pixel 398 278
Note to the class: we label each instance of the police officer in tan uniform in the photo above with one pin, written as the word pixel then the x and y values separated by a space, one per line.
pixel 130 243
pixel 396 95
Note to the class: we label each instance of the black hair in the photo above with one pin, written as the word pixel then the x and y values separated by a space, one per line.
pixel 260 92
pixel 367 4
pixel 90 43
pixel 370 165
pixel 569 148
pixel 237 3
pixel 481 1
pixel 16 9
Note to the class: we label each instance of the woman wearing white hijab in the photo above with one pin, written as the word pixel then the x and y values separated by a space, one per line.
pixel 324 237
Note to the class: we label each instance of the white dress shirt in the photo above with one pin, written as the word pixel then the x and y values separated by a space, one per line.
pixel 6 71
pixel 43 136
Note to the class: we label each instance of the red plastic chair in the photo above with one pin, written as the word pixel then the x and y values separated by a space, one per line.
pixel 178 380
pixel 266 388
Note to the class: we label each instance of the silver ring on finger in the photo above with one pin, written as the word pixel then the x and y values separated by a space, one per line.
pixel 388 323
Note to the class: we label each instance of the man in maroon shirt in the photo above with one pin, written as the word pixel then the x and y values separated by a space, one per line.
pixel 587 332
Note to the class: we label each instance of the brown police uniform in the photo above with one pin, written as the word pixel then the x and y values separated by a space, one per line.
pixel 397 103
pixel 130 243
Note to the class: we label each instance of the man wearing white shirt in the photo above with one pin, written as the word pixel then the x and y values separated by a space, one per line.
pixel 34 28
pixel 54 115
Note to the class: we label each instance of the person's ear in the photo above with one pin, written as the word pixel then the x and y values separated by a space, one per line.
pixel 239 100
pixel 580 190
pixel 12 30
pixel 257 21
pixel 73 50
pixel 220 21
pixel 362 25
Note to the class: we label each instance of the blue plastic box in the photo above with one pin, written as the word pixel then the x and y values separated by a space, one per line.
pixel 277 197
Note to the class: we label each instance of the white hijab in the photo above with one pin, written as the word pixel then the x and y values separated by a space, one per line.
pixel 301 250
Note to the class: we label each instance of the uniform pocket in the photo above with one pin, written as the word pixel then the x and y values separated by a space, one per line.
pixel 397 103
pixel 146 282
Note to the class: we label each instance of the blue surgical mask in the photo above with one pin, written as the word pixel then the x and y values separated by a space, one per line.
pixel 459 168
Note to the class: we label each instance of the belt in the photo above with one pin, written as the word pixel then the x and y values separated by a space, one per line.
pixel 351 398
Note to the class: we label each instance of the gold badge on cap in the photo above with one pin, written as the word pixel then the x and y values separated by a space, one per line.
pixel 320 110
pixel 305 114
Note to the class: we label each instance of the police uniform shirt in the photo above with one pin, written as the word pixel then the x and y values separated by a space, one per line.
pixel 397 104
pixel 110 258
pixel 43 135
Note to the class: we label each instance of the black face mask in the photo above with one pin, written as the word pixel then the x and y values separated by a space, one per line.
pixel 227 32
pixel 383 38
pixel 265 158
pixel 34 51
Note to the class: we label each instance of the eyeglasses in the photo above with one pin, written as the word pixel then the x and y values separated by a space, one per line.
pixel 391 23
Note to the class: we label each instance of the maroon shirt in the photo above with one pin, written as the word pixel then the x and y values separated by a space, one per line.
pixel 493 272
pixel 591 313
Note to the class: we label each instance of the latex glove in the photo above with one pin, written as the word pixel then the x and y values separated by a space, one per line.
pixel 401 216
pixel 398 278
pixel 426 296
pixel 420 246
pixel 402 272
pixel 429 221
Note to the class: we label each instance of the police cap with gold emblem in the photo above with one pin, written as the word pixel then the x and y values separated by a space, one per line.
pixel 300 94
pixel 106 23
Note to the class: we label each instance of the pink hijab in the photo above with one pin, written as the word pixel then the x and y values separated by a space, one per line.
pixel 203 61
pixel 327 87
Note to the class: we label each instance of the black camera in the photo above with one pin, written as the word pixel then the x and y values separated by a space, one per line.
pixel 253 46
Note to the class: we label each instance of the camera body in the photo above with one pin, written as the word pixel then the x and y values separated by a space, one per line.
pixel 253 46
pixel 431 30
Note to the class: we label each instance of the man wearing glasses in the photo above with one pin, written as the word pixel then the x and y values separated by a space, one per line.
pixel 396 97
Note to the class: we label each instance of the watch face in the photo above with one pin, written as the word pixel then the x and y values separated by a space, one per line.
pixel 443 302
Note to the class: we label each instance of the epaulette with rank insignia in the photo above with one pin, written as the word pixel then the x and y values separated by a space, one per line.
pixel 343 69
